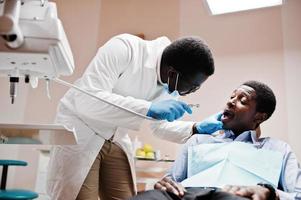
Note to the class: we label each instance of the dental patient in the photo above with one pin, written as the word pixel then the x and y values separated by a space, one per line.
pixel 235 163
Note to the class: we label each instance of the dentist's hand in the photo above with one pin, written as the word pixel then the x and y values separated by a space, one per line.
pixel 209 125
pixel 168 109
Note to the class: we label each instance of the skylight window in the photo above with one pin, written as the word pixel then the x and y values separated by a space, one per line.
pixel 218 7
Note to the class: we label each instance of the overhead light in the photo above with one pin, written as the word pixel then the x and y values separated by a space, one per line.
pixel 218 7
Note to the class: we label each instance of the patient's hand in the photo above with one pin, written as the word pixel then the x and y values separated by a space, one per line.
pixel 169 185
pixel 253 192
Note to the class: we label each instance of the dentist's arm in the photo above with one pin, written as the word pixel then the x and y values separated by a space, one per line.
pixel 181 131
pixel 111 61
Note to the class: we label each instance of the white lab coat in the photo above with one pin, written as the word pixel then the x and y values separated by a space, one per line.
pixel 126 67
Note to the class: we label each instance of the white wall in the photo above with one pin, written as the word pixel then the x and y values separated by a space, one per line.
pixel 291 16
pixel 260 44
pixel 246 46
pixel 152 18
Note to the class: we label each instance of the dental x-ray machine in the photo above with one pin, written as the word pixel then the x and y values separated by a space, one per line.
pixel 33 46
pixel 33 43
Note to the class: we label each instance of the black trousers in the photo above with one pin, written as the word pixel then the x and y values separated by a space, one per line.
pixel 191 194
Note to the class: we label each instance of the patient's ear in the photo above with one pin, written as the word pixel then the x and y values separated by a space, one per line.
pixel 260 117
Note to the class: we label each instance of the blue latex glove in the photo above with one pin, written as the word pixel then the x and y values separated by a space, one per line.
pixel 169 110
pixel 210 125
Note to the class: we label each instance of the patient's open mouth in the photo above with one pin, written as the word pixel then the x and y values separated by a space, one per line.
pixel 227 116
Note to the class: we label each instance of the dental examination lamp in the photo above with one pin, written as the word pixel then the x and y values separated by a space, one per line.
pixel 33 44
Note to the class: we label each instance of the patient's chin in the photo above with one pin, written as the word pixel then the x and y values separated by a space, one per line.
pixel 227 126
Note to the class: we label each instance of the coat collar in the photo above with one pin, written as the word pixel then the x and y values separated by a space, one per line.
pixel 247 136
pixel 155 50
pixel 158 67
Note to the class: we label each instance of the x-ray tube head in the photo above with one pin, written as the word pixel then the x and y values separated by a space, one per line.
pixel 9 24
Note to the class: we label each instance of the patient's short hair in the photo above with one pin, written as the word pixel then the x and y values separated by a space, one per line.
pixel 265 98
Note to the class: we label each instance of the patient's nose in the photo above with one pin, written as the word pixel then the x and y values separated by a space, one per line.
pixel 231 103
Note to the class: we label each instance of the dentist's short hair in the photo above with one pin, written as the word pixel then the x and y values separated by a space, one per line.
pixel 189 55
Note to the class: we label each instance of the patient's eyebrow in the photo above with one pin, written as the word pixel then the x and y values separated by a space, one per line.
pixel 248 94
pixel 247 91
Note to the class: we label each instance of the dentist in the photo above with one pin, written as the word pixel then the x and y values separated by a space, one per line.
pixel 140 75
